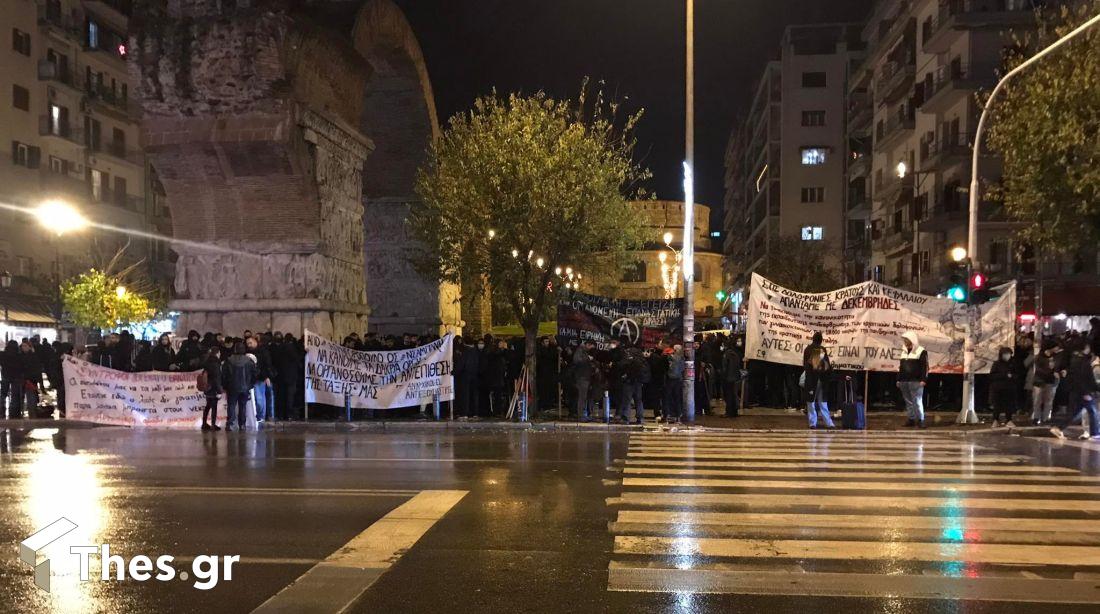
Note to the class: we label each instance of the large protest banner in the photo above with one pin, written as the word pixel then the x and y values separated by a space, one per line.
pixel 587 317
pixel 862 326
pixel 153 399
pixel 378 380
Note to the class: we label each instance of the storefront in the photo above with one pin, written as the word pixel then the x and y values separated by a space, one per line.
pixel 26 316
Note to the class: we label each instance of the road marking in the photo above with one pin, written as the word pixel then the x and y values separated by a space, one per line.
pixel 828 464
pixel 803 455
pixel 771 501
pixel 900 485
pixel 298 492
pixel 963 523
pixel 623 577
pixel 961 448
pixel 337 582
pixel 997 554
pixel 831 474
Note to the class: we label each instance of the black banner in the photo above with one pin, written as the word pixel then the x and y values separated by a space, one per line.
pixel 587 317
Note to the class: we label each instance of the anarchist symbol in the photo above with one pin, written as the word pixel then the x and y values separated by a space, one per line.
pixel 625 327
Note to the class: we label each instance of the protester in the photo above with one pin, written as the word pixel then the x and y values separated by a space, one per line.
pixel 635 375
pixel 1082 388
pixel 912 378
pixel 658 372
pixel 546 369
pixel 239 375
pixel 287 359
pixel 11 380
pixel 582 378
pixel 32 377
pixel 674 384
pixel 732 363
pixel 1045 378
pixel 1002 387
pixel 264 392
pixel 466 360
pixel 818 371
pixel 212 390
pixel 164 357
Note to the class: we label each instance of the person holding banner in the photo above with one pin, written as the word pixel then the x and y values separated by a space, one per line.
pixel 912 378
pixel 818 368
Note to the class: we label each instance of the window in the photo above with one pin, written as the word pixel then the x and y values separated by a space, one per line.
pixel 812 233
pixel 120 191
pixel 93 35
pixel 698 274
pixel 20 42
pixel 20 97
pixel 59 165
pixel 20 153
pixel 813 195
pixel 813 118
pixel 24 265
pixel 59 120
pixel 813 156
pixel 97 179
pixel 813 79
pixel 634 272
pixel 92 133
pixel 118 142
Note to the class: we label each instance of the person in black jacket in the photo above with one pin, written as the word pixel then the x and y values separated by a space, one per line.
pixel 239 375
pixel 32 376
pixel 1082 388
pixel 1002 387
pixel 1044 383
pixel 494 377
pixel 164 356
pixel 213 369
pixel 547 372
pixel 913 377
pixel 818 370
pixel 265 393
pixel 143 360
pixel 635 375
pixel 11 380
pixel 466 385
pixel 287 360
pixel 732 363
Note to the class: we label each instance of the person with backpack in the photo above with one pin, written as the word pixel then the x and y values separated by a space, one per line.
pixel 239 375
pixel 912 378
pixel 635 376
pixel 210 383
pixel 818 370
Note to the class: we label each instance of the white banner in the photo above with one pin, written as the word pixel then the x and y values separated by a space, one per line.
pixel 378 380
pixel 154 399
pixel 862 326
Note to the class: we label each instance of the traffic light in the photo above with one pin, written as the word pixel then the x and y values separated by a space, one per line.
pixel 957 287
pixel 979 288
pixel 957 294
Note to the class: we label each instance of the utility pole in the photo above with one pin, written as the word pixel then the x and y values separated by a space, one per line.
pixel 689 223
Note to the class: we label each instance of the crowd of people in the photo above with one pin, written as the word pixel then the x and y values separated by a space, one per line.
pixel 1055 386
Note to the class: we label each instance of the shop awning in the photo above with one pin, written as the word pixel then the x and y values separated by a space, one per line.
pixel 27 311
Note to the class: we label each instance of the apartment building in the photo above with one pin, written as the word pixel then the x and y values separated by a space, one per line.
pixel 785 162
pixel 926 62
pixel 73 131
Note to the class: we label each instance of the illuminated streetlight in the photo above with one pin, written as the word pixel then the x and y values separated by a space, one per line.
pixel 60 217
pixel 662 257
pixel 515 253
pixel 569 270
pixel 667 238
pixel 557 270
pixel 902 169
pixel 492 233
pixel 539 262
pixel 120 291
pixel 958 253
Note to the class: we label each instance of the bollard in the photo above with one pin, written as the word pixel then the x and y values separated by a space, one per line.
pixel 347 404
pixel 435 406
pixel 606 407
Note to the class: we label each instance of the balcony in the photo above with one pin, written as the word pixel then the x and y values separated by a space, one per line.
pixel 957 16
pixel 898 238
pixel 944 152
pixel 118 153
pixel 947 212
pixel 57 24
pixel 63 131
pixel 857 201
pixel 58 74
pixel 895 80
pixel 106 100
pixel 859 112
pixel 859 164
pixel 892 187
pixel 952 83
pixel 895 128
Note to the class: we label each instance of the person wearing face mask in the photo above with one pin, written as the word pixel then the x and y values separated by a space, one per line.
pixel 818 370
pixel 732 362
pixel 1082 388
pixel 913 377
pixel 1002 387
pixel 164 357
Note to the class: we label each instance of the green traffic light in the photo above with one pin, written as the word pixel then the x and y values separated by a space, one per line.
pixel 957 294
pixel 720 295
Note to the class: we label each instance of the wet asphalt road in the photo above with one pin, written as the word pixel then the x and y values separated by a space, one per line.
pixel 536 532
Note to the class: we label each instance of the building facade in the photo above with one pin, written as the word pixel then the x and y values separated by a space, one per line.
pixel 913 112
pixel 644 277
pixel 70 129
pixel 785 163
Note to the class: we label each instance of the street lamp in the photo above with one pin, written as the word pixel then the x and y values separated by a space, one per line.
pixel 59 217
pixel 902 169
pixel 120 291
pixel 967 413
pixel 957 253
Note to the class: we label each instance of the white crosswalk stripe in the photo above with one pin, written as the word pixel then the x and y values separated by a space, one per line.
pixel 903 515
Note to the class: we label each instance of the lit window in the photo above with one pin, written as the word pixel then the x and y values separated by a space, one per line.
pixel 812 233
pixel 812 156
pixel 93 35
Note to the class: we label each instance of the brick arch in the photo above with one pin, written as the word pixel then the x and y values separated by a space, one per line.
pixel 399 111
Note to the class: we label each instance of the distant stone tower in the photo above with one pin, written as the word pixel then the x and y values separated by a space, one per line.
pixel 271 125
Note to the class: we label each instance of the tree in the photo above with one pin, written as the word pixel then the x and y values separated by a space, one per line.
pixel 109 296
pixel 1046 125
pixel 520 180
pixel 803 266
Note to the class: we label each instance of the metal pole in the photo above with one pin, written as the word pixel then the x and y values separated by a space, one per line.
pixel 347 405
pixel 967 413
pixel 688 415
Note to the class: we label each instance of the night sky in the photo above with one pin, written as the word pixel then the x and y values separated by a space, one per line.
pixel 635 46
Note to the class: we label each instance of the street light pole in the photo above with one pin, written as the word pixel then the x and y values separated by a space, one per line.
pixel 689 223
pixel 967 414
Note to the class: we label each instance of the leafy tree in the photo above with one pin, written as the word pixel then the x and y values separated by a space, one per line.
pixel 110 295
pixel 1046 125
pixel 804 266
pixel 523 178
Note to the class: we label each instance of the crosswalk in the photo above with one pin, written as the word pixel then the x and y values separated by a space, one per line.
pixel 851 514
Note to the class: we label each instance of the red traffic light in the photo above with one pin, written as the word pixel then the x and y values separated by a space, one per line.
pixel 977 280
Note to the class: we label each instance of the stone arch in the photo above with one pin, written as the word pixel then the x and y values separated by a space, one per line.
pixel 399 116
